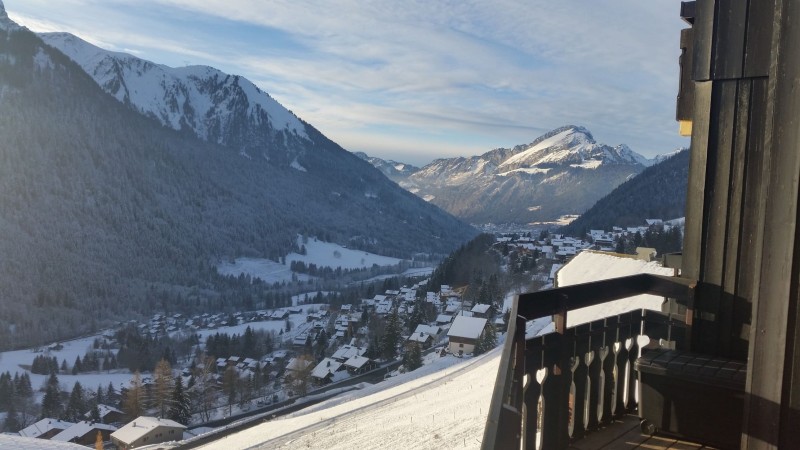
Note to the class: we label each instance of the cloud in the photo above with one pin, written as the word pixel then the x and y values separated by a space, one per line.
pixel 471 71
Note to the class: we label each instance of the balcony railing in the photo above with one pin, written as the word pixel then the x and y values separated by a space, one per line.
pixel 556 388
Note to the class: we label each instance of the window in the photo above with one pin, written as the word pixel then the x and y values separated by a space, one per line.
pixel 461 345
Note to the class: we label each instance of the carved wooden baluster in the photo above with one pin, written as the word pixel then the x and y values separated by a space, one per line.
pixel 626 382
pixel 616 347
pixel 602 353
pixel 574 362
pixel 587 359
pixel 541 377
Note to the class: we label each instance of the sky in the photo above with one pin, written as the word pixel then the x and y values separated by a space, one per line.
pixel 414 81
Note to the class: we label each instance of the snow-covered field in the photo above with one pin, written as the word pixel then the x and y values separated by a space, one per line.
pixel 323 254
pixel 269 271
pixel 326 254
pixel 443 404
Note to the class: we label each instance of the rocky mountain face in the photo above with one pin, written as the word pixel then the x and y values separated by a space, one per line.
pixel 563 172
pixel 395 171
pixel 105 212
pixel 214 106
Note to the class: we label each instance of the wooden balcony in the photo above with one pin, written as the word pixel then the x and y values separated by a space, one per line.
pixel 553 391
pixel 625 434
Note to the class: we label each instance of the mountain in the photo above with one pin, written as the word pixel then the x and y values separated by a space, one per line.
pixel 105 212
pixel 659 192
pixel 395 171
pixel 560 173
pixel 212 105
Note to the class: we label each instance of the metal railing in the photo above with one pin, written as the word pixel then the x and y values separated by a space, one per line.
pixel 554 389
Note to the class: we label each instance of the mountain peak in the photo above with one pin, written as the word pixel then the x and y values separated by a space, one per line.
pixel 5 22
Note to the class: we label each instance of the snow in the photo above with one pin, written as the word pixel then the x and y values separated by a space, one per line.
pixel 141 426
pixel 589 164
pixel 267 270
pixel 149 87
pixel 297 166
pixel 467 327
pixel 327 254
pixel 25 443
pixel 528 170
pixel 443 404
pixel 549 142
pixel 429 197
pixel 593 266
pixel 43 426
pixel 80 429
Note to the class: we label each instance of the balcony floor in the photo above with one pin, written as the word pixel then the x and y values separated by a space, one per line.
pixel 625 434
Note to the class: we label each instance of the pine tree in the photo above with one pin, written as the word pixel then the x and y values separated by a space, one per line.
pixel 76 405
pixel 412 360
pixel 51 403
pixel 12 423
pixel 133 401
pixel 391 336
pixel 180 410
pixel 111 395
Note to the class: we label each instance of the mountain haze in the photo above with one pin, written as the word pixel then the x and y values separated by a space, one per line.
pixel 562 172
pixel 659 192
pixel 102 207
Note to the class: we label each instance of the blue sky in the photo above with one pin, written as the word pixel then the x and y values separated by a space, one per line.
pixel 416 80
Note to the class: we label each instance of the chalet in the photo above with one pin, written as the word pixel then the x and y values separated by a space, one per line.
pixel 464 334
pixel 554 270
pixel 108 414
pixel 359 364
pixel 383 307
pixel 481 310
pixel 424 340
pixel 452 307
pixel 279 314
pixel 296 366
pixel 428 329
pixel 147 431
pixel 85 433
pixel 45 428
pixel 432 297
pixel 328 371
pixel 346 308
pixel 443 319
pixel 346 352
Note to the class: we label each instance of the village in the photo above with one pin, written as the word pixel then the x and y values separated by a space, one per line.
pixel 217 368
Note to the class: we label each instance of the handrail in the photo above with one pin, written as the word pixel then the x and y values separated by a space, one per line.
pixel 511 399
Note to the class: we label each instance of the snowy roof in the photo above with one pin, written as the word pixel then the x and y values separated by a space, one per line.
pixel 356 362
pixel 443 318
pixel 467 327
pixel 418 336
pixel 554 270
pixel 428 329
pixel 325 366
pixel 104 410
pixel 452 308
pixel 298 364
pixel 348 351
pixel 481 308
pixel 141 426
pixel 28 443
pixel 593 266
pixel 43 426
pixel 80 429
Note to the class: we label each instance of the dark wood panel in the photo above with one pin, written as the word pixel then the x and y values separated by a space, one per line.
pixel 695 197
pixel 703 40
pixel 758 45
pixel 728 54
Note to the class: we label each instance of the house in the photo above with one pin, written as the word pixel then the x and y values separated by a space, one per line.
pixel 85 433
pixel 45 428
pixel 425 340
pixel 428 329
pixel 146 430
pixel 464 334
pixel 443 319
pixel 108 414
pixel 297 365
pixel 279 314
pixel 346 352
pixel 359 364
pixel 481 310
pixel 328 371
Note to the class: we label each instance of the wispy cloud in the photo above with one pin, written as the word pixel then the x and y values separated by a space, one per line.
pixel 397 77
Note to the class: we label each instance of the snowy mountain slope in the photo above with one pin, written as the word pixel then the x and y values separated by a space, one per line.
pixel 437 406
pixel 563 172
pixel 214 106
pixel 395 171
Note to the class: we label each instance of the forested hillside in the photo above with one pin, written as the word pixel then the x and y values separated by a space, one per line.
pixel 102 209
pixel 659 192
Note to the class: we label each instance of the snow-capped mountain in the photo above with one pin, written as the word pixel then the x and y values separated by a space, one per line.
pixel 395 171
pixel 563 172
pixel 214 106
